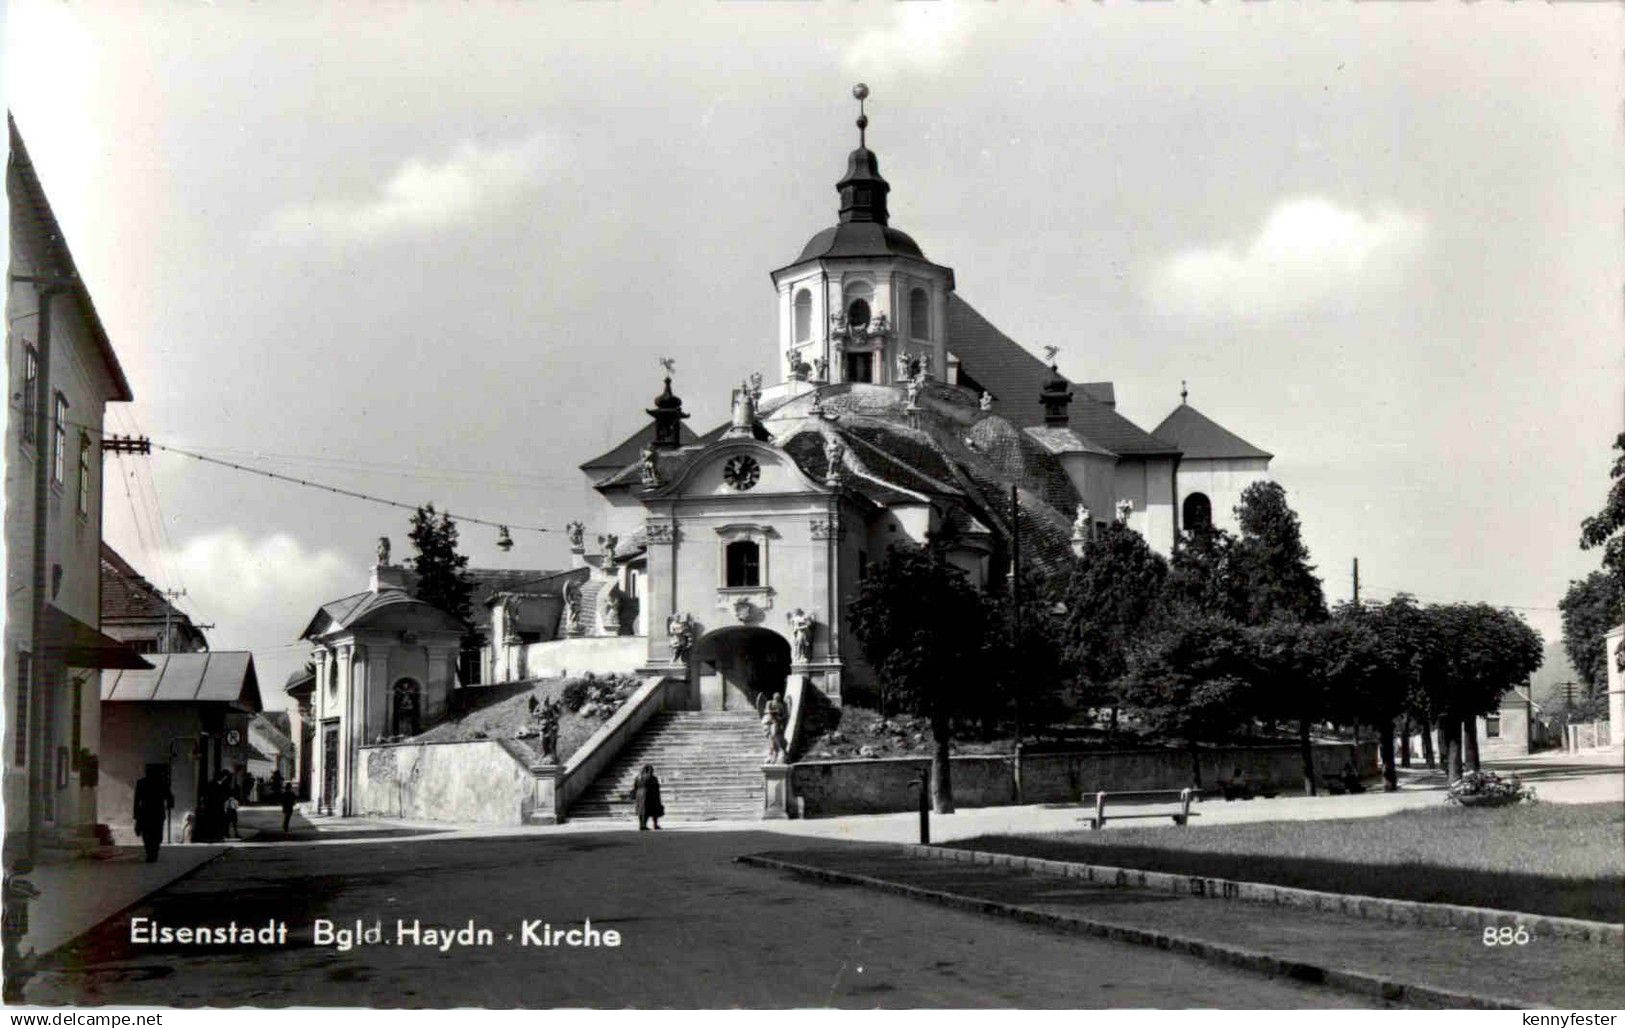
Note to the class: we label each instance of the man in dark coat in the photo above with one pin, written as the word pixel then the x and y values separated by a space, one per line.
pixel 646 794
pixel 288 799
pixel 153 802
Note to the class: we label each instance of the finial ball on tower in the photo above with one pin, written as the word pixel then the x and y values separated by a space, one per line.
pixel 860 91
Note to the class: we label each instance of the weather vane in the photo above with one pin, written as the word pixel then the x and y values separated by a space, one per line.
pixel 861 92
pixel 1184 391
pixel 1050 352
pixel 669 364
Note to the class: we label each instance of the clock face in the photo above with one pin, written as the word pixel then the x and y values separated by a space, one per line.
pixel 741 472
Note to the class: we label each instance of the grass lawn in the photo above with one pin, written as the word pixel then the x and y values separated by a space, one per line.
pixel 1564 860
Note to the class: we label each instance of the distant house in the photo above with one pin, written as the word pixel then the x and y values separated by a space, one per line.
pixel 300 687
pixel 1512 731
pixel 137 612
pixel 188 716
pixel 270 745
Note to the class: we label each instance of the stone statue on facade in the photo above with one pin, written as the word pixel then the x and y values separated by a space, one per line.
pixel 799 369
pixel 574 532
pixel 611 619
pixel 607 544
pixel 821 368
pixel 680 633
pixel 834 453
pixel 1082 524
pixel 1125 510
pixel 510 620
pixel 838 328
pixel 648 469
pixel 383 551
pixel 985 401
pixel 572 610
pixel 879 326
pixel 925 364
pixel 774 719
pixel 801 633
pixel 755 385
pixel 912 390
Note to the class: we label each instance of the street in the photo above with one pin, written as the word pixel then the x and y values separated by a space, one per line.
pixel 697 930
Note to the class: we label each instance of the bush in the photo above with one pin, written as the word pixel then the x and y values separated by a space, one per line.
pixel 574 694
pixel 1487 789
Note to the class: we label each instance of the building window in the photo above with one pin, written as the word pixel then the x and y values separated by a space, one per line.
pixel 803 316
pixel 1197 512
pixel 58 461
pixel 857 314
pixel 744 564
pixel 1492 727
pixel 19 709
pixel 919 314
pixel 84 474
pixel 30 391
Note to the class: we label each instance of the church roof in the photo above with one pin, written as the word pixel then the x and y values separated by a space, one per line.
pixel 860 239
pixel 1200 437
pixel 351 610
pixel 631 448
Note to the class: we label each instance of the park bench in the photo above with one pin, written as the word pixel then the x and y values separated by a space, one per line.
pixel 1181 796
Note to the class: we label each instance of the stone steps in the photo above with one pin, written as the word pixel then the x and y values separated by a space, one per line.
pixel 709 764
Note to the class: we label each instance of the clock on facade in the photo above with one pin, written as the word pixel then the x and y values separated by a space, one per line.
pixel 741 472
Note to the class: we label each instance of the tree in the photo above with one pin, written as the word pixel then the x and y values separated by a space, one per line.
pixel 442 577
pixel 922 627
pixel 1591 608
pixel 1273 561
pixel 1379 679
pixel 1607 527
pixel 1290 661
pixel 1205 576
pixel 1191 677
pixel 1024 666
pixel 1474 653
pixel 1115 586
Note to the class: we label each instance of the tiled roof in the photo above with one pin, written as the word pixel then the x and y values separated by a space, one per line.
pixel 1199 436
pixel 860 239
pixel 126 594
pixel 343 613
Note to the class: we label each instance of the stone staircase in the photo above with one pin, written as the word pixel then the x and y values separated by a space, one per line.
pixel 709 764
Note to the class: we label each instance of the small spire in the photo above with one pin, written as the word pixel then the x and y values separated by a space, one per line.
pixel 1184 391
pixel 861 92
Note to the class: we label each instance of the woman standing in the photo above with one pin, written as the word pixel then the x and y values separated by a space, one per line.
pixel 646 794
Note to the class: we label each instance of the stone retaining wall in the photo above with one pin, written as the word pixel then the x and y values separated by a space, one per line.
pixel 828 788
pixel 478 782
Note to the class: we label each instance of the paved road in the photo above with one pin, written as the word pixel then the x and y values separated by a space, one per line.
pixel 698 931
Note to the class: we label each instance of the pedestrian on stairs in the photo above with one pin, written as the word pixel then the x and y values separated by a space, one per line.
pixel 646 794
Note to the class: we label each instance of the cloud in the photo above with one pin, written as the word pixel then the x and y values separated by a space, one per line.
pixel 422 194
pixel 918 35
pixel 258 592
pixel 1309 254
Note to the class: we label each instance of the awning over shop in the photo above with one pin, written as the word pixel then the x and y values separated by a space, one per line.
pixel 76 644
pixel 225 677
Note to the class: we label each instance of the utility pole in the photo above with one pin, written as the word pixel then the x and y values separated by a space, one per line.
pixel 168 594
pixel 47 288
pixel 1015 617
pixel 1356 581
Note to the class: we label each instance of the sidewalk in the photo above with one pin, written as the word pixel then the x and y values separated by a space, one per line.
pixel 1428 965
pixel 77 895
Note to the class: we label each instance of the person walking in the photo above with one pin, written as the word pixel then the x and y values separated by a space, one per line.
pixel 231 815
pixel 288 799
pixel 646 794
pixel 153 802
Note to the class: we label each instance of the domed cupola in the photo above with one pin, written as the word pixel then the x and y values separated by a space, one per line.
pixel 861 302
pixel 668 415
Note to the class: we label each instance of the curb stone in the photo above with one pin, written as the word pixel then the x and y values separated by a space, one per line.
pixel 1371 908
pixel 1356 982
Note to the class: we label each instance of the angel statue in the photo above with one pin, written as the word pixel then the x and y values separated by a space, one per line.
pixel 1125 510
pixel 834 451
pixel 1082 523
pixel 648 470
pixel 680 633
pixel 383 551
pixel 668 365
pixel 985 401
pixel 574 531
pixel 821 368
pixel 905 367
pixel 801 631
pixel 607 544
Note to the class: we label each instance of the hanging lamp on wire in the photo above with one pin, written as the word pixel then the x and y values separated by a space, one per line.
pixel 504 540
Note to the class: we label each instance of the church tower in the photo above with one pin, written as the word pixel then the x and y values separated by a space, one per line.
pixel 862 302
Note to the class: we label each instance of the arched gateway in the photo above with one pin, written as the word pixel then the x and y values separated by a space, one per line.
pixel 734 667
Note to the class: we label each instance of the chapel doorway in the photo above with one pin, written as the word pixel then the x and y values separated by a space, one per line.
pixel 406 700
pixel 330 765
pixel 739 666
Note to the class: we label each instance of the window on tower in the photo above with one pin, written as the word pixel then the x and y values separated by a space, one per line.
pixel 857 313
pixel 803 316
pixel 1198 512
pixel 744 560
pixel 919 314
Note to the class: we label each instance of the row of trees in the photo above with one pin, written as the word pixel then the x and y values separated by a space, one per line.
pixel 1231 635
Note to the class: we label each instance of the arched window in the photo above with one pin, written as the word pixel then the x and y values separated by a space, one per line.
pixel 803 318
pixel 857 313
pixel 405 704
pixel 1197 512
pixel 919 314
pixel 859 303
pixel 744 564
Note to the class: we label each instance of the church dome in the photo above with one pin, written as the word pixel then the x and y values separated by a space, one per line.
pixel 860 239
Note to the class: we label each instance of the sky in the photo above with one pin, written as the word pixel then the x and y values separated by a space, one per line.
pixel 434 252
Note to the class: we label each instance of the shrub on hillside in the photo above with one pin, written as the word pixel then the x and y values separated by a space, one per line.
pixel 574 694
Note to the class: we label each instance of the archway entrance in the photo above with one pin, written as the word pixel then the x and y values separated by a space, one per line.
pixel 736 666
pixel 405 702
